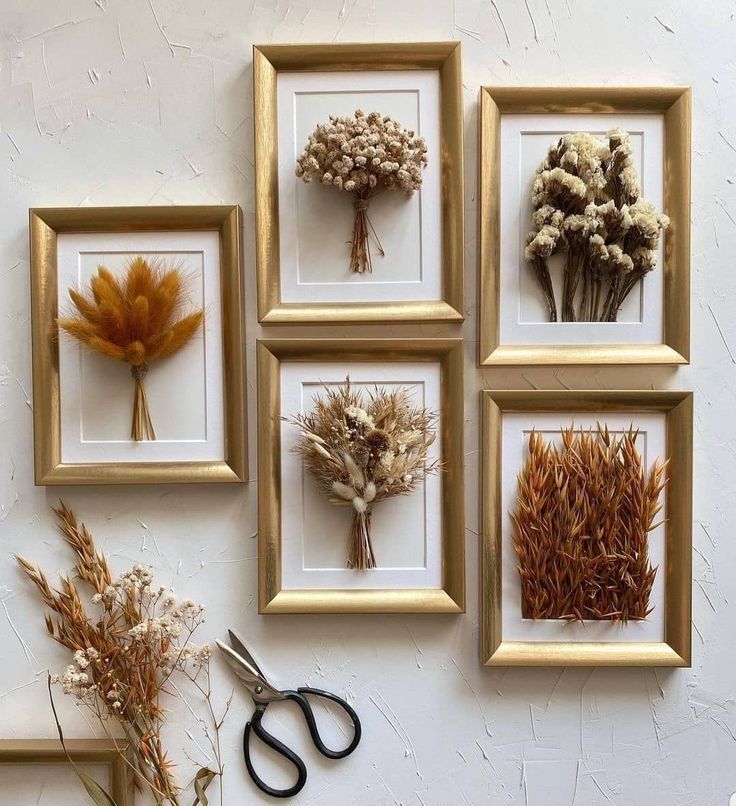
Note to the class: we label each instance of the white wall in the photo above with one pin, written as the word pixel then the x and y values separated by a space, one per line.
pixel 149 102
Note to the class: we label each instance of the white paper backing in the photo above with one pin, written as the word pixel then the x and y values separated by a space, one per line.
pixel 316 222
pixel 184 391
pixel 405 530
pixel 54 784
pixel 651 443
pixel 524 319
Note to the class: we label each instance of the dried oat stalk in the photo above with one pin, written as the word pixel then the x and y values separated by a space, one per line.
pixel 365 448
pixel 584 513
pixel 363 155
pixel 132 645
pixel 136 319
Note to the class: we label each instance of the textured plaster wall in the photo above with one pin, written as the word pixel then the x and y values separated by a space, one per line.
pixel 106 102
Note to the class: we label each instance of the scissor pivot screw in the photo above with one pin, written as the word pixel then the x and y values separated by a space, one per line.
pixel 259 689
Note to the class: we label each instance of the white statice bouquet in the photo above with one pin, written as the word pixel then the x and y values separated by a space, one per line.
pixel 363 155
pixel 130 640
pixel 588 205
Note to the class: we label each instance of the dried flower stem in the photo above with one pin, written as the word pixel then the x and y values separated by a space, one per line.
pixel 360 251
pixel 142 428
pixel 360 552
pixel 581 528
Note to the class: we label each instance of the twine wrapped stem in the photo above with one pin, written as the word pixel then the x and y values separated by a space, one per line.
pixel 360 551
pixel 142 428
pixel 360 253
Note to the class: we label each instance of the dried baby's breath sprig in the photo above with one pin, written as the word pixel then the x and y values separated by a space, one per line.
pixel 363 155
pixel 363 448
pixel 584 513
pixel 588 204
pixel 136 319
pixel 131 641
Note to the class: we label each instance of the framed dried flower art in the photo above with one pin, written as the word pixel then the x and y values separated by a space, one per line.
pixel 44 766
pixel 359 182
pixel 584 225
pixel 138 364
pixel 360 476
pixel 586 541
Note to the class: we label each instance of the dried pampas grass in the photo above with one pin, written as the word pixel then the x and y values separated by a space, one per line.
pixel 365 448
pixel 135 319
pixel 584 513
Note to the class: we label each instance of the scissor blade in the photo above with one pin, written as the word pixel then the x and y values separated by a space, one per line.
pixel 239 647
pixel 242 668
pixel 261 691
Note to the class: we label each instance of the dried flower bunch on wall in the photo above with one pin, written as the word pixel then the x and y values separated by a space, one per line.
pixel 585 510
pixel 588 205
pixel 363 155
pixel 363 449
pixel 136 319
pixel 132 643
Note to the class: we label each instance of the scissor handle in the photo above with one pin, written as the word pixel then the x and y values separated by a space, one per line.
pixel 280 748
pixel 300 699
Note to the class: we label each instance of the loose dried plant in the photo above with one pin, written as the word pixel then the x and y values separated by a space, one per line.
pixel 137 319
pixel 588 206
pixel 584 513
pixel 364 155
pixel 363 448
pixel 132 643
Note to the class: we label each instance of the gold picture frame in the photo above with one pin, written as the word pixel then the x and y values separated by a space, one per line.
pixel 268 61
pixel 272 598
pixel 82 751
pixel 675 650
pixel 45 224
pixel 674 104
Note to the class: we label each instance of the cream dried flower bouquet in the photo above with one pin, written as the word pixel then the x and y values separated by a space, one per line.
pixel 363 449
pixel 588 205
pixel 132 646
pixel 363 155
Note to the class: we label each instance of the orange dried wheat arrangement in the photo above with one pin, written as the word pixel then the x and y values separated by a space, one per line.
pixel 135 319
pixel 581 526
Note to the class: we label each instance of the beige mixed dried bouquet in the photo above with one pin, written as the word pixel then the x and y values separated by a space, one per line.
pixel 132 643
pixel 136 319
pixel 364 448
pixel 585 510
pixel 363 155
pixel 588 206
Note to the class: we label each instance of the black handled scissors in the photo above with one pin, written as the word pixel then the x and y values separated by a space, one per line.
pixel 263 694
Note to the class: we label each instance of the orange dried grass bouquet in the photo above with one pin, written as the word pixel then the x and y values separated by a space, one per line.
pixel 585 510
pixel 135 319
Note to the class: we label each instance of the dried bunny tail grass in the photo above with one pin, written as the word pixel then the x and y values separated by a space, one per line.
pixel 137 319
pixel 365 448
pixel 581 527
